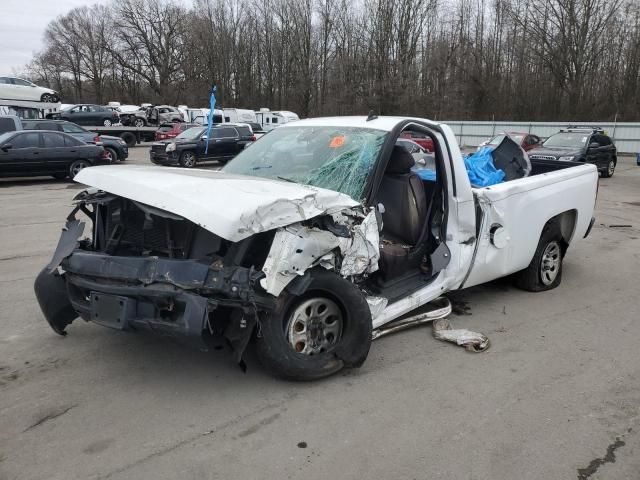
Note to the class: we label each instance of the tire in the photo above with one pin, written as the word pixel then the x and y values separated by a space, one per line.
pixel 545 270
pixel 113 155
pixel 284 345
pixel 129 138
pixel 611 168
pixel 48 98
pixel 60 176
pixel 76 167
pixel 188 159
pixel 139 122
pixel 107 123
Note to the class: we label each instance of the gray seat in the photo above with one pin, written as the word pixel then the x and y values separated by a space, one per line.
pixel 405 218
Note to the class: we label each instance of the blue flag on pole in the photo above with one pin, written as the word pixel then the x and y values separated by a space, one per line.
pixel 212 106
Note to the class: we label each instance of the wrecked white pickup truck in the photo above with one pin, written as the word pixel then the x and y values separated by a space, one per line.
pixel 311 239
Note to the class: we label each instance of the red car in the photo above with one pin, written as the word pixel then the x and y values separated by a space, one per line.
pixel 421 139
pixel 172 130
pixel 526 140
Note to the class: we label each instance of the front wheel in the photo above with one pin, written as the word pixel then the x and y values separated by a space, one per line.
pixel 188 159
pixel 138 122
pixel 611 168
pixel 48 98
pixel 107 122
pixel 545 270
pixel 316 334
pixel 76 167
pixel 112 155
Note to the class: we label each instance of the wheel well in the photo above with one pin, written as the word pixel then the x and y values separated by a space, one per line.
pixel 566 222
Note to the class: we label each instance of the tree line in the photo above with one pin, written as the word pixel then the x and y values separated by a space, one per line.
pixel 442 59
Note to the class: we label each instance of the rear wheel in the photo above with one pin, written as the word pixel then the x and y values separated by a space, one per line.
pixel 611 168
pixel 129 138
pixel 107 123
pixel 77 166
pixel 188 159
pixel 545 270
pixel 318 333
pixel 139 122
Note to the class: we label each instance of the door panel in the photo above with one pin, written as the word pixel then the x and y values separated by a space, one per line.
pixel 57 155
pixel 25 156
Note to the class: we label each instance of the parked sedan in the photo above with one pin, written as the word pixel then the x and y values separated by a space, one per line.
pixel 115 147
pixel 526 140
pixel 422 139
pixel 190 147
pixel 34 153
pixel 12 88
pixel 90 115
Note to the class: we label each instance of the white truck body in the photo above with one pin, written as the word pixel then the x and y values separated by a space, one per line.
pixel 477 234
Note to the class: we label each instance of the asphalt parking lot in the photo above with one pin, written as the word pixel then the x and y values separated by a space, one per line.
pixel 557 396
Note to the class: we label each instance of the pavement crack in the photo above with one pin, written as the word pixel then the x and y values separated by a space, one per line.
pixel 596 463
pixel 193 438
pixel 50 416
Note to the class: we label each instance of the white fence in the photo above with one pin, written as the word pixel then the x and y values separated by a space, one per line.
pixel 626 136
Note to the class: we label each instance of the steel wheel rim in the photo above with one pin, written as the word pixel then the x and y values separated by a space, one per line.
pixel 189 160
pixel 315 326
pixel 77 168
pixel 611 167
pixel 550 264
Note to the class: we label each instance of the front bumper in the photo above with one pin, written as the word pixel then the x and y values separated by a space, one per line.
pixel 163 158
pixel 172 297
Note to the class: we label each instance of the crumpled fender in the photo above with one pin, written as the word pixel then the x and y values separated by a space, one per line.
pixel 51 292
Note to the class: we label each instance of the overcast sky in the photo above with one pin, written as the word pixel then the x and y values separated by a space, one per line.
pixel 22 24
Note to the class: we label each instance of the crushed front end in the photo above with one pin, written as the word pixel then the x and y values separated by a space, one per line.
pixel 144 268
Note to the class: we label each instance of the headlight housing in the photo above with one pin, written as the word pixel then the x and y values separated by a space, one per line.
pixel 566 159
pixel 170 147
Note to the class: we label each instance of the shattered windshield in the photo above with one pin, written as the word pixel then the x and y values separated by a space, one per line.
pixel 335 158
pixel 567 140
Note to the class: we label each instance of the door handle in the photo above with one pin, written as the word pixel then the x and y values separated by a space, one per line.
pixel 72 151
pixel 36 153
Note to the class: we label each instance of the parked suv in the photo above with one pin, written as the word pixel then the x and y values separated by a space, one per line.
pixel 85 114
pixel 152 116
pixel 580 144
pixel 188 148
pixel 115 147
pixel 172 130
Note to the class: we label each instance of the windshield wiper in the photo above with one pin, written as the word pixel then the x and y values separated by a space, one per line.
pixel 260 168
pixel 286 179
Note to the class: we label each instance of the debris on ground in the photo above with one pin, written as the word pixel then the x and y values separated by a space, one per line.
pixel 472 341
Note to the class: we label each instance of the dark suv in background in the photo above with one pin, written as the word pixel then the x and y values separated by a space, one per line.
pixel 115 147
pixel 188 148
pixel 580 144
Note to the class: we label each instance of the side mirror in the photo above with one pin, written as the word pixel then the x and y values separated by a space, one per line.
pixel 594 145
pixel 6 147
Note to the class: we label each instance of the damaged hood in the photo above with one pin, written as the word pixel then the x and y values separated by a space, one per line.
pixel 233 207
